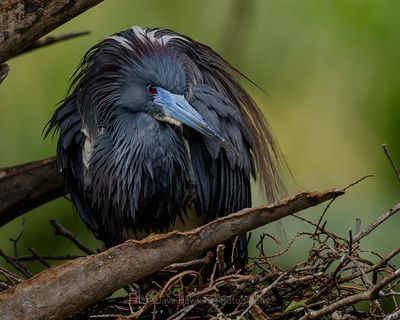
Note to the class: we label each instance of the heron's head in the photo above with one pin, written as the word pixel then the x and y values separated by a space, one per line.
pixel 136 71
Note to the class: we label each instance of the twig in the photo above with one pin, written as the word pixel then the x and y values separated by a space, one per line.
pixel 53 39
pixel 15 241
pixel 12 278
pixel 45 257
pixel 39 258
pixel 320 229
pixel 255 297
pixel 19 267
pixel 376 223
pixel 395 169
pixel 183 312
pixel 323 215
pixel 160 294
pixel 367 295
pixel 393 316
pixel 4 70
pixel 207 259
pixel 359 180
pixel 379 265
pixel 234 246
pixel 220 314
pixel 60 230
pixel 330 202
pixel 220 259
pixel 350 242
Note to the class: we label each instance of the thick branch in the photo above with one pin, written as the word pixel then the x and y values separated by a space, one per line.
pixel 24 21
pixel 66 289
pixel 27 186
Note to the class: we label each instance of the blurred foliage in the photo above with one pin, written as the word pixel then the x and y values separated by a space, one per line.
pixel 330 69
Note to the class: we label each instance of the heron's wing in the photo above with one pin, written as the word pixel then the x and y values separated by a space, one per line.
pixel 222 176
pixel 211 69
pixel 67 121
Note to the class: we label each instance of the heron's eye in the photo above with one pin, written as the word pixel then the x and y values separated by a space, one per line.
pixel 152 89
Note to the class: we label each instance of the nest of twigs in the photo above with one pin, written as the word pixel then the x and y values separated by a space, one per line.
pixel 337 275
pixel 331 282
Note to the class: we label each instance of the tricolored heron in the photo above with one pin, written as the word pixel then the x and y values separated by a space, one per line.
pixel 155 127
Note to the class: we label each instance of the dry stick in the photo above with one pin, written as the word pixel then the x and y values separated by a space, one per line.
pixel 53 39
pixel 60 230
pixel 386 150
pixel 63 290
pixel 24 22
pixel 36 257
pixel 258 295
pixel 376 223
pixel 358 181
pixel 220 259
pixel 393 316
pixel 379 265
pixel 184 265
pixel 39 258
pixel 15 241
pixel 207 259
pixel 10 276
pixel 4 69
pixel 183 312
pixel 318 226
pixel 19 267
pixel 220 314
pixel 366 295
pixel 163 291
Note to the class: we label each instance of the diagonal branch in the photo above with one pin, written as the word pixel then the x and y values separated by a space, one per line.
pixel 68 288
pixel 23 22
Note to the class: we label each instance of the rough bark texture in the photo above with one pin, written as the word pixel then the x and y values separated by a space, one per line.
pixel 28 186
pixel 63 290
pixel 24 21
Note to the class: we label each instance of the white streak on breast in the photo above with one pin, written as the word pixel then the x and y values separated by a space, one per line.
pixel 87 149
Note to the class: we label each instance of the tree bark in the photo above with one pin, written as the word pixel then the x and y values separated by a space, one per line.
pixel 28 186
pixel 63 290
pixel 24 21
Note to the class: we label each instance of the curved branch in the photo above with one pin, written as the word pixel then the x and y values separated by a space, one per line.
pixel 68 288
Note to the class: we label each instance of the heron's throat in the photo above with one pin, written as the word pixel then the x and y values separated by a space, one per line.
pixel 169 120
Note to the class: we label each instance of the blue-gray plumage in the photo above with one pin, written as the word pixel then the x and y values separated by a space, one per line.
pixel 156 123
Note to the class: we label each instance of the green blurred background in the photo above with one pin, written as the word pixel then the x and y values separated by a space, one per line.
pixel 331 71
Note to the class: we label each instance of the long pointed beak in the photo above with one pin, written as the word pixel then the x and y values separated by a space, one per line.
pixel 176 107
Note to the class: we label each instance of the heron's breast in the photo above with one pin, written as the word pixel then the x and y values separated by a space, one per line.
pixel 189 221
pixel 140 175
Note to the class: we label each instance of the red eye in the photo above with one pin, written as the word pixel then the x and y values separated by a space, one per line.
pixel 152 89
